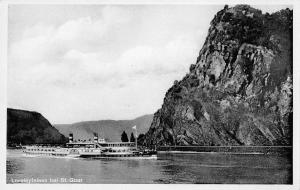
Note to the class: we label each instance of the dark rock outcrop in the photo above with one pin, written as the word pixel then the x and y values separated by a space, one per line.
pixel 239 91
pixel 28 127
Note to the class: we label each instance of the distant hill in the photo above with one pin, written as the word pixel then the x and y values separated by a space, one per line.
pixel 28 127
pixel 109 129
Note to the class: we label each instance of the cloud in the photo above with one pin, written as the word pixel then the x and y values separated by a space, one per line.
pixel 171 57
pixel 72 53
pixel 123 60
pixel 82 33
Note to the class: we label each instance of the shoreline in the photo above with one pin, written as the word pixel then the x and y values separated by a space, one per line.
pixel 194 152
pixel 226 149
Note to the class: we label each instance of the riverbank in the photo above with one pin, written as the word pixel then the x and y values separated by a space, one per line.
pixel 227 149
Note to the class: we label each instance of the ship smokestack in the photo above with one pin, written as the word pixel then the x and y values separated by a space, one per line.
pixel 70 137
pixel 95 138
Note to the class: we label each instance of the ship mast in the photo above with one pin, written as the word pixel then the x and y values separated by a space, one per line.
pixel 134 127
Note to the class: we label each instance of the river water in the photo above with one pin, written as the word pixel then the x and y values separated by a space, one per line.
pixel 168 168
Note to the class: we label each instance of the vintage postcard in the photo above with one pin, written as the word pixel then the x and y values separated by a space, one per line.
pixel 149 93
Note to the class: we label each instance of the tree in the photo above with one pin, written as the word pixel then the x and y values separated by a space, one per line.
pixel 132 139
pixel 140 139
pixel 124 137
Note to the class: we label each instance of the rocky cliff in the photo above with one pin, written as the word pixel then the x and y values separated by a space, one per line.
pixel 239 91
pixel 28 127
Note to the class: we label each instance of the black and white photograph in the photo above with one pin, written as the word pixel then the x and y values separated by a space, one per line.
pixel 149 93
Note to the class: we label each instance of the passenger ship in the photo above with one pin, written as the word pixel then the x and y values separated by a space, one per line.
pixel 97 149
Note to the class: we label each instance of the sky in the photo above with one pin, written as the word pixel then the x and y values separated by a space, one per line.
pixel 77 63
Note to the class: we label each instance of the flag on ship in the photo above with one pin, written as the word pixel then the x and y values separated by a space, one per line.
pixel 134 127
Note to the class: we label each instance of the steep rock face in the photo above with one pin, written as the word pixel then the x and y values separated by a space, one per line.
pixel 30 127
pixel 239 91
